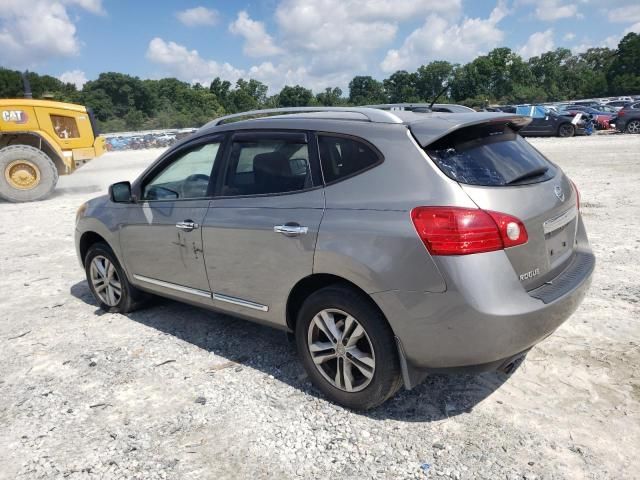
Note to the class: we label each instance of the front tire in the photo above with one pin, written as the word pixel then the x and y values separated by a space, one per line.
pixel 633 126
pixel 26 174
pixel 108 282
pixel 347 348
pixel 566 130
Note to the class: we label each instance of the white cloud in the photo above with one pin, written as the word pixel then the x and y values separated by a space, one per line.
pixel 257 42
pixel 187 64
pixel 539 42
pixel 569 36
pixel 32 31
pixel 198 16
pixel 633 28
pixel 439 38
pixel 77 77
pixel 626 14
pixel 93 6
pixel 552 10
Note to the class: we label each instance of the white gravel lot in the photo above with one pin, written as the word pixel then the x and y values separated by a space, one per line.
pixel 174 391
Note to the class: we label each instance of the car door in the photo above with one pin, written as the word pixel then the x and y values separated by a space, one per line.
pixel 260 231
pixel 162 238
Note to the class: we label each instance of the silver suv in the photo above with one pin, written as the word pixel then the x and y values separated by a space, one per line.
pixel 391 243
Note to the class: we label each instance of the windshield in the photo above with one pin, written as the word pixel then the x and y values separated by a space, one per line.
pixel 490 155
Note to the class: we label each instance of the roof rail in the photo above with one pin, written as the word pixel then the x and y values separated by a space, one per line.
pixel 399 106
pixel 370 114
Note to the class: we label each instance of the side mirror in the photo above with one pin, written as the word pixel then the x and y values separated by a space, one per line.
pixel 120 192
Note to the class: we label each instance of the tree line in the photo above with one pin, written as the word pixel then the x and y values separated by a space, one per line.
pixel 123 102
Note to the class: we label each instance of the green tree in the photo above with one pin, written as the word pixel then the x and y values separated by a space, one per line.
pixel 365 90
pixel 296 96
pixel 624 72
pixel 431 78
pixel 330 97
pixel 401 87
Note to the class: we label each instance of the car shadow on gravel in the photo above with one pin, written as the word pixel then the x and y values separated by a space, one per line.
pixel 269 350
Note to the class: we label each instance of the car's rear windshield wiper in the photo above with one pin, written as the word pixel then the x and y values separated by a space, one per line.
pixel 530 174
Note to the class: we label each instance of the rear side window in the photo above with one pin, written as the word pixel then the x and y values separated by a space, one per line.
pixel 343 157
pixel 490 155
pixel 267 166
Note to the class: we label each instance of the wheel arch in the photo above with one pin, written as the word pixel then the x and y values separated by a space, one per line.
pixel 88 239
pixel 313 283
pixel 35 140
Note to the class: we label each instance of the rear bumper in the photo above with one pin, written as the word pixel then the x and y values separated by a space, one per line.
pixel 478 323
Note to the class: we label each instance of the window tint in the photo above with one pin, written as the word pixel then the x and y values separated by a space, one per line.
pixel 264 166
pixel 490 155
pixel 342 156
pixel 186 177
pixel 65 127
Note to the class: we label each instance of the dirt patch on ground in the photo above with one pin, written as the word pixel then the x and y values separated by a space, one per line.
pixel 177 392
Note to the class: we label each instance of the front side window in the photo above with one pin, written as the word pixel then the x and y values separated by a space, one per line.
pixel 342 157
pixel 267 166
pixel 65 127
pixel 186 177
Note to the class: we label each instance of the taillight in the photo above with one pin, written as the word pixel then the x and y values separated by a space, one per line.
pixel 463 231
pixel 575 187
pixel 621 113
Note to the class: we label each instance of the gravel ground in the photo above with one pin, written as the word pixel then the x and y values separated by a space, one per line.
pixel 174 391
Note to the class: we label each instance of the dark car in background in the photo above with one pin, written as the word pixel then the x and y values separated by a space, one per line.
pixel 547 122
pixel 628 119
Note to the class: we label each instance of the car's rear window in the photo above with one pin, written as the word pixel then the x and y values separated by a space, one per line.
pixel 490 155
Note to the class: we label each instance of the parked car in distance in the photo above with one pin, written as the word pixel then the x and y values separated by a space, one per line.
pixel 628 119
pixel 391 244
pixel 600 118
pixel 546 122
pixel 618 104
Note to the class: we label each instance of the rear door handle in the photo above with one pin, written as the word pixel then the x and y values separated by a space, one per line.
pixel 187 225
pixel 291 229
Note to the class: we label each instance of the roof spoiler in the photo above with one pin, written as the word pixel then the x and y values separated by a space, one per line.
pixel 427 132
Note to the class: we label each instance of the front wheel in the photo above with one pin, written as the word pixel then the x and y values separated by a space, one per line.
pixel 566 130
pixel 108 282
pixel 26 174
pixel 633 126
pixel 347 348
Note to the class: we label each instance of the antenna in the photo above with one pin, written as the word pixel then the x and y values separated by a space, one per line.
pixel 446 87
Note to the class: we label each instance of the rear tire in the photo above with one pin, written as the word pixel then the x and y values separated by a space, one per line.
pixel 633 127
pixel 108 282
pixel 566 130
pixel 26 174
pixel 361 369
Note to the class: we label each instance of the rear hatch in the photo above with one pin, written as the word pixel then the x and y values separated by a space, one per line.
pixel 502 172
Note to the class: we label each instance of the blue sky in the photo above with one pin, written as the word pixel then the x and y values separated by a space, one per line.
pixel 316 43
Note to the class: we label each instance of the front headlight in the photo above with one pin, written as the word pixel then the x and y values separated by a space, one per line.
pixel 81 211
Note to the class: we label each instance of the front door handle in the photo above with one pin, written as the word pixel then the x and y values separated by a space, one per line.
pixel 187 225
pixel 291 229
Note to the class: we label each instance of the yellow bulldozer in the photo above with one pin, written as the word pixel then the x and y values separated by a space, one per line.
pixel 40 140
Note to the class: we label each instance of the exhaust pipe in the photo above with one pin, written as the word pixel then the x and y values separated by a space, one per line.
pixel 26 85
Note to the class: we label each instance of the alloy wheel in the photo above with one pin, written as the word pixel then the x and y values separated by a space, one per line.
pixel 566 130
pixel 105 281
pixel 633 126
pixel 341 350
